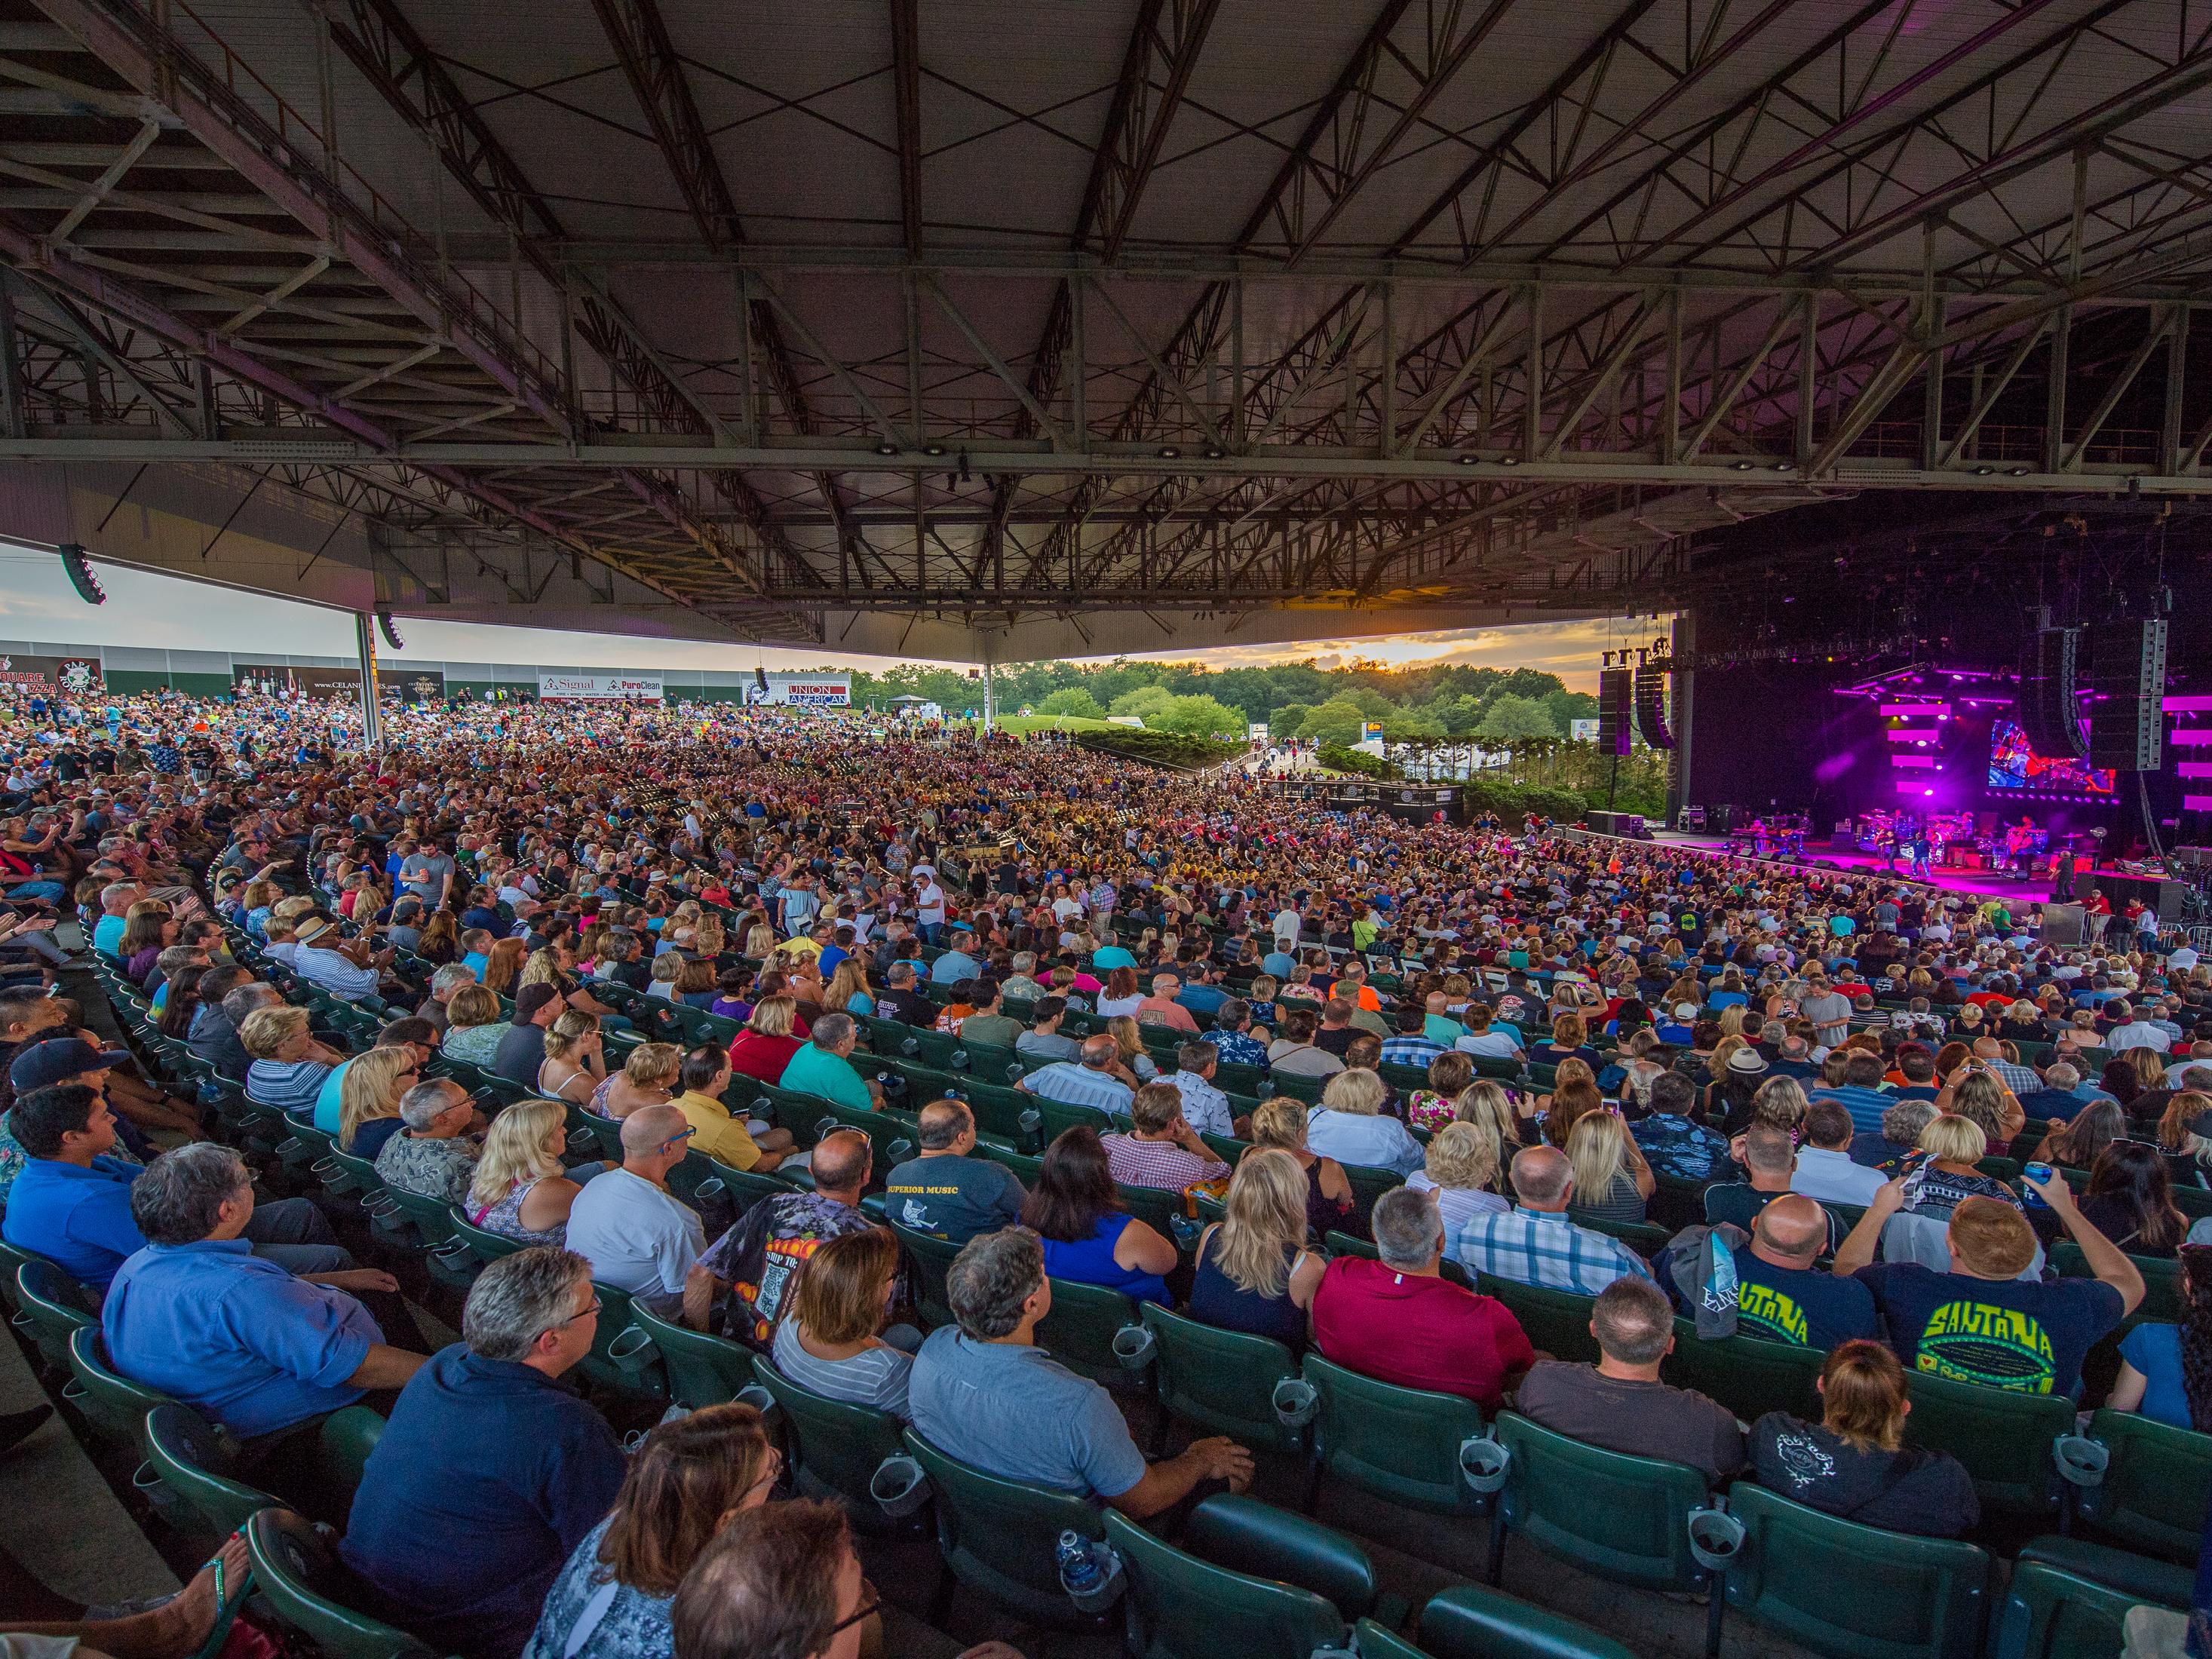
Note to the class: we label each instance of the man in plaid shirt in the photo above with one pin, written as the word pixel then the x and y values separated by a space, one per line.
pixel 1089 1084
pixel 1535 1243
pixel 1410 1045
pixel 1164 1150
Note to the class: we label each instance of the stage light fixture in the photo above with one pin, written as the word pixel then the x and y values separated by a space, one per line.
pixel 1741 466
pixel 1169 452
pixel 1469 460
pixel 1214 453
pixel 1509 460
pixel 391 630
pixel 79 567
pixel 932 450
pixel 887 447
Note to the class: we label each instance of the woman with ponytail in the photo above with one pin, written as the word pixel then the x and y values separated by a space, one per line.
pixel 2165 1370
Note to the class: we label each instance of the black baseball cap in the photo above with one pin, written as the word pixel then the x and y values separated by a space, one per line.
pixel 58 1059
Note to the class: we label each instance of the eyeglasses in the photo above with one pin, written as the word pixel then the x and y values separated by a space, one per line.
pixel 855 1616
pixel 773 1473
pixel 581 1313
pixel 678 1140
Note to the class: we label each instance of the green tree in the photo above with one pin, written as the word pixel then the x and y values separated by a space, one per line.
pixel 1199 717
pixel 1511 717
pixel 1149 703
pixel 1284 722
pixel 1337 720
pixel 1072 699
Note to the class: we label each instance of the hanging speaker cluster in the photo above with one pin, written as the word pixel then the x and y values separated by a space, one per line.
pixel 2047 707
pixel 1613 713
pixel 1651 708
pixel 2127 674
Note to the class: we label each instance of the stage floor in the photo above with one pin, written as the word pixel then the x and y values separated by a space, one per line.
pixel 1966 884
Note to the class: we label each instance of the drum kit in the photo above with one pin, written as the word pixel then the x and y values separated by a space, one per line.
pixel 1922 841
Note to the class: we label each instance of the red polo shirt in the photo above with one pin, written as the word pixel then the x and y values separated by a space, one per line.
pixel 1416 1332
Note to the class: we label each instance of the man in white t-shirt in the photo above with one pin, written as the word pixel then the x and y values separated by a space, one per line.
pixel 635 1235
pixel 1288 925
pixel 928 902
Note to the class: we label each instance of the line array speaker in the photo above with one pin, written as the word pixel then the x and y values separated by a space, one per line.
pixel 1612 711
pixel 1651 708
pixel 2047 709
pixel 2127 672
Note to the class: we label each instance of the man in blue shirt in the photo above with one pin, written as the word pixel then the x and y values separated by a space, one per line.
pixel 1671 1141
pixel 1859 1091
pixel 71 1204
pixel 196 1315
pixel 490 1472
pixel 956 964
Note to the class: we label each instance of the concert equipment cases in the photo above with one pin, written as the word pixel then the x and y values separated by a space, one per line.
pixel 2127 718
pixel 1616 823
pixel 2048 711
pixel 1613 693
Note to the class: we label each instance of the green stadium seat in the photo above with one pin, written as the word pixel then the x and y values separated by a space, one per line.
pixel 51 1308
pixel 998 1537
pixel 2002 1436
pixel 1622 1518
pixel 1397 1443
pixel 2068 1599
pixel 1473 1621
pixel 2156 1485
pixel 304 1584
pixel 1748 1374
pixel 485 1245
pixel 635 1370
pixel 1079 1330
pixel 1179 1605
pixel 2161 1279
pixel 1369 1184
pixel 1224 1382
pixel 932 1259
pixel 839 1444
pixel 194 1462
pixel 112 1404
pixel 1854 1592
pixel 702 1369
pixel 1557 1321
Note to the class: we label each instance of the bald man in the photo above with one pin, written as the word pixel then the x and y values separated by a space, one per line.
pixel 1535 1243
pixel 636 1235
pixel 1780 1298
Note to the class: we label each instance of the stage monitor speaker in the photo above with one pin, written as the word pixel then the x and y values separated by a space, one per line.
pixel 1651 708
pixel 2061 924
pixel 1613 696
pixel 2127 671
pixel 2047 709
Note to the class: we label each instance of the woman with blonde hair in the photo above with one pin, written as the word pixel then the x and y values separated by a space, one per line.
pixel 1947 1177
pixel 1854 1463
pixel 520 1190
pixel 474 1026
pixel 503 966
pixel 709 941
pixel 1129 1049
pixel 667 968
pixel 1349 1126
pixel 368 1099
pixel 848 992
pixel 1253 1273
pixel 1279 1124
pixel 1461 1174
pixel 575 1061
pixel 1612 1180
pixel 542 968
pixel 648 1077
pixel 1486 1101
pixel 765 1046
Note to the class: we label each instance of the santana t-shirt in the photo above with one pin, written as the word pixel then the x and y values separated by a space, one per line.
pixel 1796 1304
pixel 2004 1334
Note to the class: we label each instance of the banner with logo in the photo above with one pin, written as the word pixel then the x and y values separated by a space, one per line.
pixel 284 680
pixel 598 688
pixel 803 690
pixel 78 676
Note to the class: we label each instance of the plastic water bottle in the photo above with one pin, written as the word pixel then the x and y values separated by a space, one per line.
pixel 1079 1574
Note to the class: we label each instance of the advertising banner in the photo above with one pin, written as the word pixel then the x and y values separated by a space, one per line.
pixel 284 680
pixel 1256 732
pixel 804 690
pixel 598 688
pixel 78 676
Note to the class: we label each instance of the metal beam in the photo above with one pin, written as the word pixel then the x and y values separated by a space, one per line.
pixel 906 81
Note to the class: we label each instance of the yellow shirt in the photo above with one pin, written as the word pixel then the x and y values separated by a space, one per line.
pixel 802 945
pixel 718 1135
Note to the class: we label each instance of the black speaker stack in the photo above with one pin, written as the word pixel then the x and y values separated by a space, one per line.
pixel 2127 679
pixel 2047 707
pixel 1613 711
pixel 1651 708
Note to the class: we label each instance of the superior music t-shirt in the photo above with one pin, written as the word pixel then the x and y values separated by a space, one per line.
pixel 2004 1334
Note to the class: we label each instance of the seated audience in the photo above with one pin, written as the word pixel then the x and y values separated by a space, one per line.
pixel 1086 1235
pixel 490 1472
pixel 1349 1125
pixel 435 1155
pixel 945 1190
pixel 1253 1272
pixel 831 1341
pixel 519 1189
pixel 766 1252
pixel 637 1237
pixel 575 1058
pixel 1535 1243
pixel 521 1050
pixel 690 1479
pixel 1459 1172
pixel 1398 1320
pixel 1826 1169
pixel 1854 1461
pixel 1612 1180
pixel 1619 1403
pixel 369 1094
pixel 1160 1148
pixel 822 1066
pixel 288 1064
pixel 982 1392
pixel 2165 1370
pixel 720 1133
pixel 474 1027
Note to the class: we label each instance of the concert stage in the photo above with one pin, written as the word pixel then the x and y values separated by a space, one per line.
pixel 1976 884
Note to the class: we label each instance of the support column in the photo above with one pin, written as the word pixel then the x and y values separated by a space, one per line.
pixel 990 697
pixel 1685 700
pixel 372 714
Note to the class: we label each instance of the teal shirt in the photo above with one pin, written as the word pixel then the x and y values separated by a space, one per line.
pixel 816 1071
pixel 327 1104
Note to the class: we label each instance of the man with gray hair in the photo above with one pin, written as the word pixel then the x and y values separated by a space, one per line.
pixel 984 1393
pixel 434 1155
pixel 1089 1081
pixel 213 1035
pixel 443 984
pixel 490 1472
pixel 822 1069
pixel 1398 1320
pixel 198 1316
pixel 1619 1403
pixel 638 1236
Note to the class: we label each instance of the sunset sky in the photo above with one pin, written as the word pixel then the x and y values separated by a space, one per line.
pixel 37 602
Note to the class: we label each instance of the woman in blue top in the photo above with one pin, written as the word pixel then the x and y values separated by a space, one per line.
pixel 1088 1237
pixel 2165 1370
pixel 614 1598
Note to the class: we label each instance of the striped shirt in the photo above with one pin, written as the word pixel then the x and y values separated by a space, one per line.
pixel 1073 1084
pixel 1543 1248
pixel 1413 1049
pixel 874 1376
pixel 289 1086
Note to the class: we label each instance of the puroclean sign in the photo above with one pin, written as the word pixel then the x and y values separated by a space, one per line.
pixel 598 688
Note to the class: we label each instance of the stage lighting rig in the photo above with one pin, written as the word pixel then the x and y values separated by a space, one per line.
pixel 79 567
pixel 391 630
